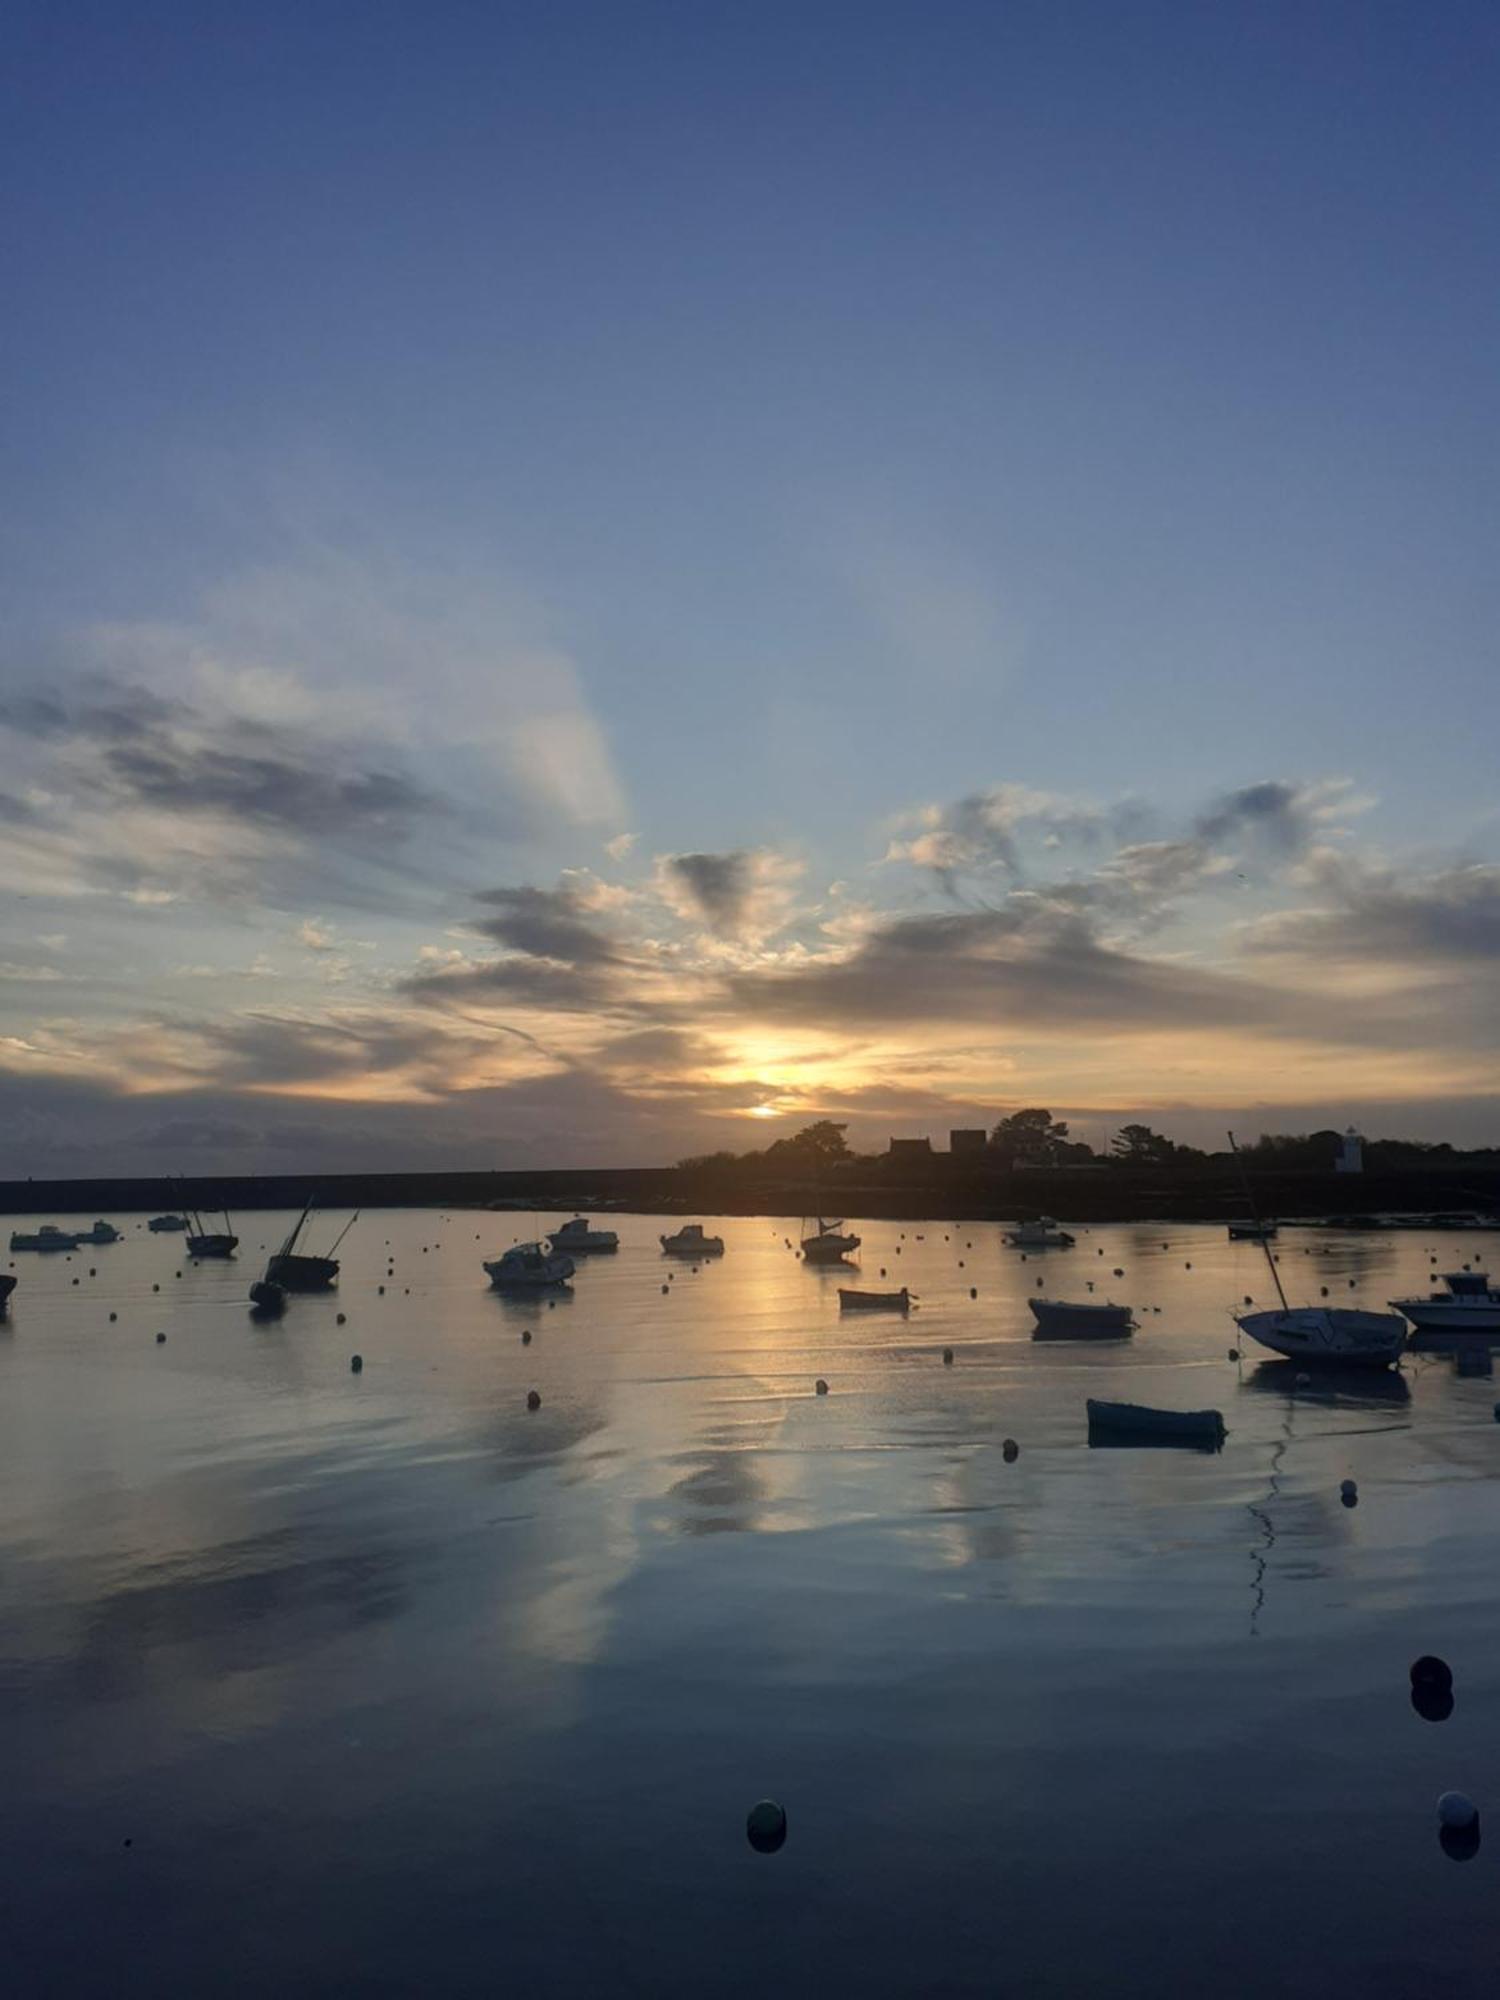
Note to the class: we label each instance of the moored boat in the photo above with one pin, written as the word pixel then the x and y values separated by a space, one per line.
pixel 577 1238
pixel 1140 1420
pixel 1469 1305
pixel 162 1225
pixel 1342 1334
pixel 267 1297
pixel 48 1237
pixel 1060 1319
pixel 527 1267
pixel 690 1241
pixel 7 1286
pixel 850 1301
pixel 102 1232
pixel 1041 1234
pixel 829 1243
pixel 1252 1232
pixel 295 1270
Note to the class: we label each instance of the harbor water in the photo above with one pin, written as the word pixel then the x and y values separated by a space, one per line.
pixel 383 1682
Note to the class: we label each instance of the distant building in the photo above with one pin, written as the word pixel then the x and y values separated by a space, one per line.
pixel 910 1149
pixel 968 1141
pixel 1351 1159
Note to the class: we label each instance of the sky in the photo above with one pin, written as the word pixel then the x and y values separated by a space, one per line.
pixel 587 583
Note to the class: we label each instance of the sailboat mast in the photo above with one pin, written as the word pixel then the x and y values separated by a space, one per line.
pixel 1265 1243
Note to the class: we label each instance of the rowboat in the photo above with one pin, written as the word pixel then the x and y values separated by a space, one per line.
pixel 1201 1427
pixel 1056 1319
pixel 874 1301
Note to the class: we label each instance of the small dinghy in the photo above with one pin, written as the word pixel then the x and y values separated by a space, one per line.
pixel 1056 1319
pixel 1204 1428
pixel 898 1302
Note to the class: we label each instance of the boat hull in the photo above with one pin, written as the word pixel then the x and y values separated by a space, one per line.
pixel 874 1301
pixel 705 1246
pixel 1337 1334
pixel 1204 1428
pixel 301 1274
pixel 1058 1320
pixel 7 1286
pixel 44 1245
pixel 212 1246
pixel 1448 1316
pixel 826 1250
pixel 166 1225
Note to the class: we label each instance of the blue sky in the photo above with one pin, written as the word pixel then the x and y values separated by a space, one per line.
pixel 739 427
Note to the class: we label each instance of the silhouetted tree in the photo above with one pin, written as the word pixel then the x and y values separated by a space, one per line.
pixel 815 1146
pixel 1139 1146
pixel 1031 1135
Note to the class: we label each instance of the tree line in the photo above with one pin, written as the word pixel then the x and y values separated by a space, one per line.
pixel 1034 1138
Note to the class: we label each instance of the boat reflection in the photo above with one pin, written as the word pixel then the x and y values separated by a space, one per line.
pixel 1333 1387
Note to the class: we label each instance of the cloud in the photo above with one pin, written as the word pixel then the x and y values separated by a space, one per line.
pixel 742 895
pixel 545 923
pixel 1449 918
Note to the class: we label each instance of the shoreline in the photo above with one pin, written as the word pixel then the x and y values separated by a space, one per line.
pixel 1106 1194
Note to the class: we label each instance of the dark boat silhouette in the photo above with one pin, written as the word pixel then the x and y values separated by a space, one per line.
pixel 295 1271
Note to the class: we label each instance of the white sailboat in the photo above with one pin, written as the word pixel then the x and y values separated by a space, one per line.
pixel 1345 1335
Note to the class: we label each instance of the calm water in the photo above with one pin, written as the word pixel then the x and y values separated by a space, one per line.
pixel 315 1682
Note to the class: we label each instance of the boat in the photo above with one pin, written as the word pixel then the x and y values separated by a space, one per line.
pixel 48 1237
pixel 295 1271
pixel 162 1225
pixel 1058 1319
pixel 1042 1234
pixel 1140 1420
pixel 829 1243
pixel 1341 1334
pixel 527 1267
pixel 203 1242
pixel 7 1286
pixel 576 1237
pixel 1252 1232
pixel 1471 1304
pixel 267 1297
pixel 1345 1335
pixel 691 1242
pixel 874 1301
pixel 102 1232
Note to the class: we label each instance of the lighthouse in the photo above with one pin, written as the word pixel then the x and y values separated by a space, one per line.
pixel 1351 1159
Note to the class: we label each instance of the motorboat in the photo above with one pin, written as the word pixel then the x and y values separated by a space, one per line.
pixel 295 1271
pixel 874 1301
pixel 1059 1319
pixel 48 1237
pixel 164 1225
pixel 1341 1334
pixel 1252 1232
pixel 1042 1234
pixel 102 1232
pixel 576 1238
pixel 1344 1335
pixel 268 1298
pixel 691 1242
pixel 1471 1304
pixel 1141 1423
pixel 527 1267
pixel 7 1286
pixel 829 1243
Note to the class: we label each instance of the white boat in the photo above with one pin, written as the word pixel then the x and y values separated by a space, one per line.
pixel 102 1232
pixel 691 1242
pixel 1340 1334
pixel 1251 1232
pixel 528 1268
pixel 1059 1320
pixel 576 1237
pixel 1043 1234
pixel 1470 1305
pixel 1344 1335
pixel 829 1243
pixel 48 1237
